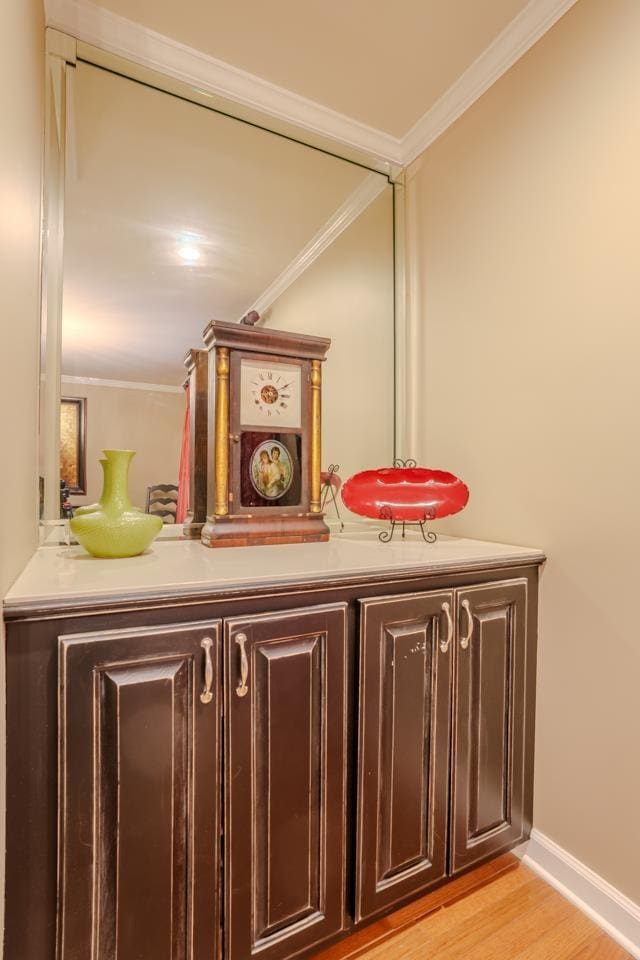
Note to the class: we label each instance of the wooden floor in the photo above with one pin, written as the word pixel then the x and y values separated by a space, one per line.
pixel 516 917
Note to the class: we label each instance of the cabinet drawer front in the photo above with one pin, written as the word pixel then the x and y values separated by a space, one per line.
pixel 139 794
pixel 403 747
pixel 489 721
pixel 285 764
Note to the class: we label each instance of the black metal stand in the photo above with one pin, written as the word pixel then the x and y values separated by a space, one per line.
pixel 386 514
pixel 328 489
pixel 427 535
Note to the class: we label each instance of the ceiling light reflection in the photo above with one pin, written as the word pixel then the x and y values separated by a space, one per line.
pixel 189 254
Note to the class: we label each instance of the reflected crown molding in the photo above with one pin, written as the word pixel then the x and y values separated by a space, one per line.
pixel 361 198
pixel 94 25
pixel 122 384
pixel 117 35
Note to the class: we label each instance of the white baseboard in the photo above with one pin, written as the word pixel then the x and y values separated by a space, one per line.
pixel 604 904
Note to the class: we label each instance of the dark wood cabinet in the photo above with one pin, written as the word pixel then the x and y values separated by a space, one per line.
pixel 286 740
pixel 488 766
pixel 260 771
pixel 138 856
pixel 406 650
pixel 410 649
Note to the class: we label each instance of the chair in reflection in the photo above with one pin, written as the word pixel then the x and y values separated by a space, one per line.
pixel 162 501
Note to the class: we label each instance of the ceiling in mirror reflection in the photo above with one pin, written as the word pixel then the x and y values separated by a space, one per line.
pixel 175 215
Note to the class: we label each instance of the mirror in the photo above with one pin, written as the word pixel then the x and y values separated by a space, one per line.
pixel 175 214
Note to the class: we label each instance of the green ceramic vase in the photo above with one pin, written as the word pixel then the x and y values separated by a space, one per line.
pixel 92 507
pixel 113 528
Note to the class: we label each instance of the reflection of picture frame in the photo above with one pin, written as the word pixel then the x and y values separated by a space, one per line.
pixel 73 443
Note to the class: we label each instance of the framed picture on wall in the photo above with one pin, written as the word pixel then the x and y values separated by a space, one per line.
pixel 73 447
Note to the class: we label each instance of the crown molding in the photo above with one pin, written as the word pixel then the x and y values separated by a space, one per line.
pixel 101 28
pixel 355 204
pixel 121 384
pixel 519 36
pixel 114 34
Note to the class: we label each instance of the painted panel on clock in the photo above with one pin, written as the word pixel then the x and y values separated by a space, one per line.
pixel 270 393
pixel 270 469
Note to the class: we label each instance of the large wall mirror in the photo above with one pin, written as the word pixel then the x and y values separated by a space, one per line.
pixel 174 214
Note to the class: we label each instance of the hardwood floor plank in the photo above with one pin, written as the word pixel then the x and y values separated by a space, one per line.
pixel 494 935
pixel 601 947
pixel 515 917
pixel 479 882
pixel 572 933
pixel 456 930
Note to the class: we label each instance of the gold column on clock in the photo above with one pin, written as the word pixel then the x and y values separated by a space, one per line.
pixel 222 432
pixel 316 435
pixel 264 438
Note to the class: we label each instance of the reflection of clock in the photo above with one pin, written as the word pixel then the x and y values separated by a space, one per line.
pixel 264 436
pixel 270 393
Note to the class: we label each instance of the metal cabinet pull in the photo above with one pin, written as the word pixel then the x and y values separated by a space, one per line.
pixel 207 694
pixel 242 689
pixel 444 644
pixel 464 640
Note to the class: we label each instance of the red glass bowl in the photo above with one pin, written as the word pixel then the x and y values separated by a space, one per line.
pixel 412 494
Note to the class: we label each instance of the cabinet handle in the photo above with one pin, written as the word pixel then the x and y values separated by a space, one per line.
pixel 242 689
pixel 207 694
pixel 444 644
pixel 464 641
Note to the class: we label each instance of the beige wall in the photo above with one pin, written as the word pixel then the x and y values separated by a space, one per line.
pixel 529 264
pixel 347 295
pixel 147 421
pixel 21 113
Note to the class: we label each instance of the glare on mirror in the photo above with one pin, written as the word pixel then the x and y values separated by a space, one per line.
pixel 175 215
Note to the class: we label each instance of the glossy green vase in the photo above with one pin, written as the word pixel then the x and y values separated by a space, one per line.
pixel 92 507
pixel 113 528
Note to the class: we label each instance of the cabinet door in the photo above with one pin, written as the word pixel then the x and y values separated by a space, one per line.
pixel 406 650
pixel 285 781
pixel 489 721
pixel 139 794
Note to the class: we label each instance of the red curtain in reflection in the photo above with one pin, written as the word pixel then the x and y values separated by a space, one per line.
pixel 183 476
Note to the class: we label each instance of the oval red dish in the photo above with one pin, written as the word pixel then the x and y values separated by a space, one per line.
pixel 412 494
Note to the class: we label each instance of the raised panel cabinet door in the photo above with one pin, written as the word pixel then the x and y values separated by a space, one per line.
pixel 285 807
pixel 406 651
pixel 488 788
pixel 139 801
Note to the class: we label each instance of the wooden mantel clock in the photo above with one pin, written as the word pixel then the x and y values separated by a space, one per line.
pixel 263 471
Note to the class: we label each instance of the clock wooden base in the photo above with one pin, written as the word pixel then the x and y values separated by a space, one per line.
pixel 243 531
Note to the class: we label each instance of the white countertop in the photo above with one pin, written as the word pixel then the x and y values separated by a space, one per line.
pixel 66 576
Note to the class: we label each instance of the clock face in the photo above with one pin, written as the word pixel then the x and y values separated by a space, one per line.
pixel 270 394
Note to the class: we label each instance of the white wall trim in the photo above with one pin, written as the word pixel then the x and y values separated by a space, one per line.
pixel 93 24
pixel 121 384
pixel 615 913
pixel 355 204
pixel 514 41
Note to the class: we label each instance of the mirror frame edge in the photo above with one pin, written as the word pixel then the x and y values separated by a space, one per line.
pixel 60 63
